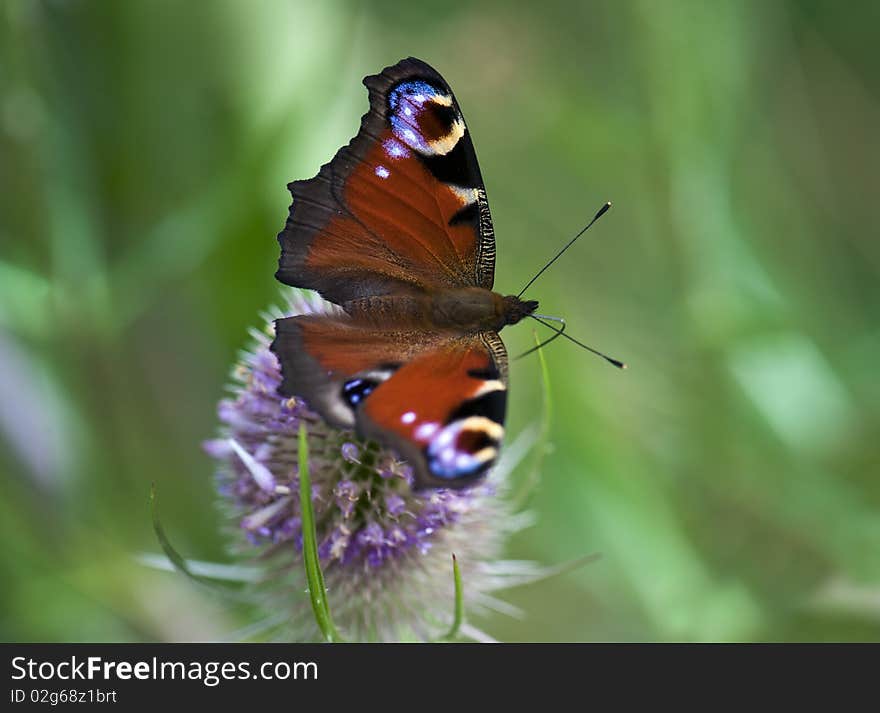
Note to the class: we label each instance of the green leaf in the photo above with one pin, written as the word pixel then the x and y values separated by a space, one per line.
pixel 180 564
pixel 314 575
pixel 545 573
pixel 172 554
pixel 214 571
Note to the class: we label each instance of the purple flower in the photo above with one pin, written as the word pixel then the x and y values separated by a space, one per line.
pixel 385 551
pixel 350 452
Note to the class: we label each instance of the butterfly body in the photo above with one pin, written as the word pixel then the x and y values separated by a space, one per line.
pixel 396 231
pixel 466 310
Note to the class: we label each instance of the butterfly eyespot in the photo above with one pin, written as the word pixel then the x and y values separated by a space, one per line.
pixel 465 447
pixel 354 391
pixel 424 118
pixel 413 91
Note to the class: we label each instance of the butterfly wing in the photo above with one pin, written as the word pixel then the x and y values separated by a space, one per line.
pixel 438 400
pixel 400 209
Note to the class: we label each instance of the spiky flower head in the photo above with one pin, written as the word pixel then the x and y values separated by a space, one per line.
pixel 385 550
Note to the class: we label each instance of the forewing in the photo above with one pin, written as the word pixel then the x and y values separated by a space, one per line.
pixel 402 207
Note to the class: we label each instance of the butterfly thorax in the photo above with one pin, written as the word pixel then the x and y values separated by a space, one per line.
pixel 465 309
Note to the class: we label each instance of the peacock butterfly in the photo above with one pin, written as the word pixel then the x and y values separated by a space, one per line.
pixel 396 230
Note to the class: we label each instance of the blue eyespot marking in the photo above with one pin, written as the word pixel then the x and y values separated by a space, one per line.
pixel 415 91
pixel 356 390
pixel 463 448
pixel 395 149
pixel 450 464
pixel 408 101
pixel 403 130
pixel 382 172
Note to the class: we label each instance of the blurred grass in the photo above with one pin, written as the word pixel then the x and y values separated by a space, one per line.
pixel 730 477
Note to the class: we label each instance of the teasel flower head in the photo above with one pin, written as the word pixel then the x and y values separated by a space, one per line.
pixel 385 551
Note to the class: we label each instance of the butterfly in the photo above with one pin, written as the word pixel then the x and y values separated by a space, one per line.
pixel 396 230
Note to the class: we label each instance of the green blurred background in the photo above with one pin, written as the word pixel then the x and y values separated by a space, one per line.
pixel 729 478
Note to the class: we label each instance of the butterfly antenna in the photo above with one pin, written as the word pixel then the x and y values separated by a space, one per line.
pixel 567 246
pixel 560 333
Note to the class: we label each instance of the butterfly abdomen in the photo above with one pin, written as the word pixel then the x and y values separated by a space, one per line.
pixel 466 310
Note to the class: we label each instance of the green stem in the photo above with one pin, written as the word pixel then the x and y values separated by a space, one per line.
pixel 314 575
pixel 458 616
